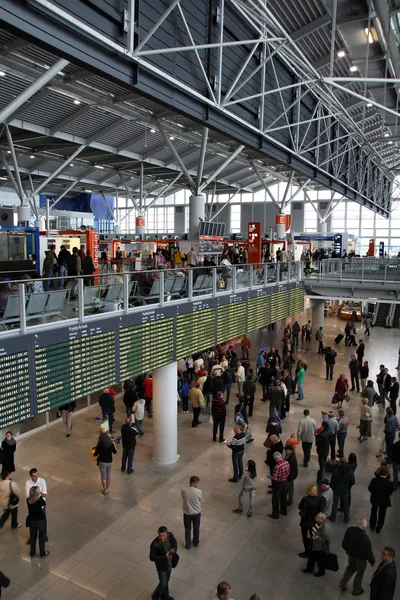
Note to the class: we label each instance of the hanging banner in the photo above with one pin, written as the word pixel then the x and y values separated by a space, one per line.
pixel 371 248
pixel 254 248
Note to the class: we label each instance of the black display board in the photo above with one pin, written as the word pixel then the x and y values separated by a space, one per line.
pixel 232 313
pixel 279 305
pixel 296 300
pixel 196 327
pixel 258 311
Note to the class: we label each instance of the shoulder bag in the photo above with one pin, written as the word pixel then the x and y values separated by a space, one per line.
pixel 13 499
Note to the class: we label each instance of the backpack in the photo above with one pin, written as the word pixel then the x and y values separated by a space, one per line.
pixel 239 419
pixel 185 389
pixel 228 377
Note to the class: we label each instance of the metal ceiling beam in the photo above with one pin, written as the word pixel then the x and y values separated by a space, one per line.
pixel 218 170
pixel 64 193
pixel 32 89
pixel 128 192
pixel 30 103
pixel 312 27
pixel 177 157
pixel 68 120
pixel 59 169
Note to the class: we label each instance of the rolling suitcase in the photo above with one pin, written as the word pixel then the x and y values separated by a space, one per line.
pixel 339 338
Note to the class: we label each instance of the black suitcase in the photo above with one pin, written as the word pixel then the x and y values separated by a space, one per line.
pixel 339 338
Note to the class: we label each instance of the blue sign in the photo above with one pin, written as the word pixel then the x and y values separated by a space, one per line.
pixel 381 248
pixel 338 244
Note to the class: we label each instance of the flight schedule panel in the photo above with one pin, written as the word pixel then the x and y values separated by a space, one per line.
pixel 232 320
pixel 296 300
pixel 195 330
pixel 279 305
pixel 15 402
pixel 82 362
pixel 258 311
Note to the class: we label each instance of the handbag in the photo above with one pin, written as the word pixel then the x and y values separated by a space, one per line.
pixel 92 451
pixel 13 499
pixel 334 398
pixel 347 397
pixel 175 560
pixel 331 562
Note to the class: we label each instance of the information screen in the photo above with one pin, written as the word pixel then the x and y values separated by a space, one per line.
pixel 195 332
pixel 296 300
pixel 15 403
pixel 258 312
pixel 146 347
pixel 73 369
pixel 231 321
pixel 279 305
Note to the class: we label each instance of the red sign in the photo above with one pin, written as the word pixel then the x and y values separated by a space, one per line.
pixel 285 220
pixel 254 248
pixel 139 221
pixel 371 248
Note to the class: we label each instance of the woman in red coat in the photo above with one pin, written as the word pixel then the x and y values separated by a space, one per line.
pixel 341 388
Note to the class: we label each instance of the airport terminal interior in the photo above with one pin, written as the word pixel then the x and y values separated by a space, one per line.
pixel 199 218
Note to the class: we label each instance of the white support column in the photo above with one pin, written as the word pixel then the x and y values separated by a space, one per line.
pixel 317 320
pixel 197 211
pixel 165 415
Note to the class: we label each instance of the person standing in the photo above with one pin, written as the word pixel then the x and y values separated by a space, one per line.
pixel 365 420
pixel 394 394
pixel 218 412
pixel 107 406
pixel 228 377
pixel 367 325
pixel 333 426
pixel 66 411
pixel 197 400
pixel 88 269
pixel 276 397
pixel 320 339
pixel 364 374
pixel 265 378
pixel 360 353
pixel 325 491
pixel 162 549
pixel 4 581
pixel 248 486
pixel 192 258
pixel 383 582
pixel 358 548
pixel 306 431
pixel 319 545
pixel 322 441
pixel 381 488
pixel 104 450
pixel 309 507
pixel 290 457
pixel 240 377
pixel 330 360
pixel 128 437
pixel 63 259
pixel 308 331
pixel 341 389
pixel 192 498
pixel 300 381
pixel 138 413
pixel 9 446
pixel 353 333
pixel 387 384
pixel 35 480
pixel 342 481
pixel 245 345
pixel 343 425
pixel 236 444
pixel 148 393
pixel 130 396
pixel 354 371
pixel 249 391
pixel 37 521
pixel 279 479
pixel 396 463
pixel 391 426
pixel 9 500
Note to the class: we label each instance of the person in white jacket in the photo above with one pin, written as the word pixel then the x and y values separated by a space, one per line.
pixel 138 413
pixel 240 377
pixel 306 434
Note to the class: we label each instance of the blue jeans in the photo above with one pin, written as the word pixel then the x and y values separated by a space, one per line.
pixel 162 592
pixel 237 462
pixel 47 284
pixel 187 521
pixel 139 425
pixel 62 272
pixel 341 438
pixel 300 391
pixel 127 455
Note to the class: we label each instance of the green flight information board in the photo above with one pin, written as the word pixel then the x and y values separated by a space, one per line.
pixel 195 330
pixel 279 305
pixel 296 300
pixel 146 347
pixel 231 320
pixel 15 404
pixel 258 312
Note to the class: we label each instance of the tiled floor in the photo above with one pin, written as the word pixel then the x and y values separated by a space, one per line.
pixel 99 546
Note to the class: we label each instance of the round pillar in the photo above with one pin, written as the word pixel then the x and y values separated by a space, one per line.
pixel 165 414
pixel 322 227
pixel 196 212
pixel 317 320
pixel 280 226
pixel 117 229
pixel 24 215
pixel 140 225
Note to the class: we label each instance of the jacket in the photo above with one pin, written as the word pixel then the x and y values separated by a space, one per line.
pixel 364 372
pixel 307 429
pixel 276 395
pixel 322 544
pixel 107 403
pixel 396 452
pixel 383 582
pixel 365 413
pixel 4 581
pixel 128 434
pixel 248 482
pixel 381 489
pixel 208 385
pixel 387 382
pixel 342 480
pixel 157 552
pixel 130 397
pixel 138 409
pixel 330 356
pixel 391 424
pixel 360 351
pixel 249 387
pixel 309 507
pixel 218 385
pixel 394 391
pixel 265 376
pixel 35 511
pixel 7 486
pixel 278 447
pixel 322 442
pixel 218 407
pixel 328 495
pixel 70 406
pixel 104 454
pixel 196 398
pixel 88 267
pixel 341 388
pixel 357 543
pixel 354 367
pixel 294 470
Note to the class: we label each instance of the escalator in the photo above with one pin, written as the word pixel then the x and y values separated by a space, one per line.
pixel 396 318
pixel 381 313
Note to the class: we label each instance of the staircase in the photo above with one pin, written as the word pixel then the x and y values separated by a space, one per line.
pixel 383 311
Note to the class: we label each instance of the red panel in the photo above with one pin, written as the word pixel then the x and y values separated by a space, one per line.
pixel 255 243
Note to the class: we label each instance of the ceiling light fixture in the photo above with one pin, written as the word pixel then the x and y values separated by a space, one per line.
pixel 369 35
pixel 8 151
pixel 341 53
pixel 171 137
pixel 71 164
pixel 31 156
pixel 99 167
pixel 77 101
pixel 3 178
pixel 152 130
pixel 387 134
pixel 89 191
pixel 369 104
pixel 390 143
pixel 2 73
pixel 353 68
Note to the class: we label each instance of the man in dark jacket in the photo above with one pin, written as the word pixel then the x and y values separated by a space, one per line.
pixel 322 440
pixel 341 483
pixel 128 434
pixel 394 394
pixel 162 550
pixel 265 378
pixel 383 582
pixel 396 463
pixel 249 390
pixel 236 444
pixel 381 489
pixel 130 396
pixel 290 457
pixel 358 547
pixel 107 405
pixel 276 397
pixel 218 385
pixel 391 426
pixel 218 412
pixel 360 353
pixel 330 360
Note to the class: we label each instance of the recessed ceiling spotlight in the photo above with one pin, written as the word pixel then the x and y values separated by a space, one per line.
pixel 77 101
pixel 369 104
pixel 2 73
pixel 341 53
pixel 89 191
pixel 99 167
pixel 3 178
pixel 368 33
pixel 8 151
pixel 390 143
pixel 249 168
pixel 31 156
pixel 353 68
pixel 171 137
pixel 387 134
pixel 152 130
pixel 71 164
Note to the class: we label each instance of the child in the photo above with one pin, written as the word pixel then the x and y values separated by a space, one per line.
pixel 248 485
pixel 292 441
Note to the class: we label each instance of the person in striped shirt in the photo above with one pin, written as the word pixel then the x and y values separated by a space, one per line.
pixel 279 478
pixel 236 444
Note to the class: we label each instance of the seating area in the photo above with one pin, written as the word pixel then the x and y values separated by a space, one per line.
pixel 45 304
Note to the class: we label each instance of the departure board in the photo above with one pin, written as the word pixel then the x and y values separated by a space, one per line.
pixel 279 305
pixel 258 312
pixel 195 332
pixel 296 300
pixel 231 321
pixel 15 403
pixel 146 347
pixel 74 368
